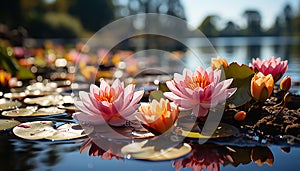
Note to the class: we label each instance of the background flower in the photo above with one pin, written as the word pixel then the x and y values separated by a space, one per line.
pixel 217 62
pixel 200 90
pixel 273 66
pixel 108 104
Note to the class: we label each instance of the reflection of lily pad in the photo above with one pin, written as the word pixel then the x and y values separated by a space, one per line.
pixel 137 151
pixel 37 130
pixel 7 105
pixel 7 124
pixel 22 112
pixel 222 131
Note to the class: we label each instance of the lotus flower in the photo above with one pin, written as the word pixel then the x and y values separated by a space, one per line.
pixel 158 116
pixel 217 62
pixel 262 86
pixel 113 105
pixel 200 90
pixel 273 66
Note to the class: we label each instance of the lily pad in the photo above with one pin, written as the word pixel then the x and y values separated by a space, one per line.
pixel 20 95
pixel 157 95
pixel 38 130
pixel 138 151
pixel 7 124
pixel 45 100
pixel 23 112
pixel 222 131
pixel 241 75
pixel 7 105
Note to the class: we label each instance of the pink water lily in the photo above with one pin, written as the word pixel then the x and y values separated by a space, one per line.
pixel 112 104
pixel 200 90
pixel 274 66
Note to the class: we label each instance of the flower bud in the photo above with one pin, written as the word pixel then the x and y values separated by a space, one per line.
pixel 240 116
pixel 285 83
pixel 262 86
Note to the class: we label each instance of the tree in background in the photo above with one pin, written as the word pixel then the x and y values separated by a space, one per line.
pixel 208 26
pixel 93 14
pixel 253 18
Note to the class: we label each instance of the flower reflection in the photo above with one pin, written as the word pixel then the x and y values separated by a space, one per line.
pixel 112 104
pixel 108 149
pixel 204 157
pixel 200 90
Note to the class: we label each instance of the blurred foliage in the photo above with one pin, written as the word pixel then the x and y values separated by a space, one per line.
pixel 57 18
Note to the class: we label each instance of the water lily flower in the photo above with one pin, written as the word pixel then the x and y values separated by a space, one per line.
pixel 274 66
pixel 217 62
pixel 199 91
pixel 158 116
pixel 285 83
pixel 262 86
pixel 112 104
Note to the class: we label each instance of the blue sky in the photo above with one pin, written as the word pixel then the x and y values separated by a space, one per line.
pixel 197 10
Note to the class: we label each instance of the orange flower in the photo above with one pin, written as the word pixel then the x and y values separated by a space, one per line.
pixel 285 83
pixel 217 62
pixel 4 78
pixel 158 117
pixel 262 86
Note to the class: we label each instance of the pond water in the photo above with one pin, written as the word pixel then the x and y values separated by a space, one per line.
pixel 25 155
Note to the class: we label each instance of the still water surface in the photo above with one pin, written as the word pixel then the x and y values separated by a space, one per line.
pixel 18 154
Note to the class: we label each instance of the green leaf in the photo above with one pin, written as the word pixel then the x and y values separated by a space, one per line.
pixel 157 95
pixel 8 63
pixel 24 74
pixel 242 75
pixel 236 71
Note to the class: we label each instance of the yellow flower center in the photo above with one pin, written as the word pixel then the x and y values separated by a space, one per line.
pixel 108 95
pixel 198 81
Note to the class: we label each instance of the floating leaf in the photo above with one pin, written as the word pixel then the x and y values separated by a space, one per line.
pixel 7 105
pixel 138 151
pixel 222 131
pixel 20 95
pixel 38 130
pixel 22 112
pixel 7 124
pixel 45 100
pixel 241 75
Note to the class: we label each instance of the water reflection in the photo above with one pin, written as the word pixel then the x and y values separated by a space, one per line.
pixel 202 157
pixel 18 154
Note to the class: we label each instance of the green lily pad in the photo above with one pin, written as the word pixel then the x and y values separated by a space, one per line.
pixel 138 151
pixel 23 112
pixel 222 131
pixel 7 124
pixel 242 75
pixel 7 105
pixel 45 100
pixel 157 95
pixel 38 130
